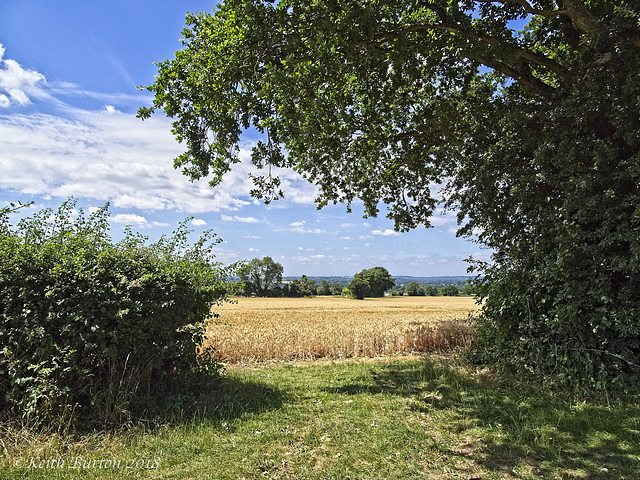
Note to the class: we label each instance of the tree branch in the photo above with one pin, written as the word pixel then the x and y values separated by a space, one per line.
pixel 582 18
pixel 576 10
pixel 529 9
pixel 529 55
pixel 525 53
pixel 527 81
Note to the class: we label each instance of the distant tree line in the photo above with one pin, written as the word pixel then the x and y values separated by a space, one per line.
pixel 263 278
pixel 414 289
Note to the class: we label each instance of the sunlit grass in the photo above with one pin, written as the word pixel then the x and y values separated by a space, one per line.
pixel 402 418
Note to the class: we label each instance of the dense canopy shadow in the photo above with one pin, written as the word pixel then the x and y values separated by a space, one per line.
pixel 220 399
pixel 505 426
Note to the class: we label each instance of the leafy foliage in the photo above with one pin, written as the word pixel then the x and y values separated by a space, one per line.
pixel 450 291
pixel 414 289
pixel 93 329
pixel 372 282
pixel 260 275
pixel 324 288
pixel 430 290
pixel 525 113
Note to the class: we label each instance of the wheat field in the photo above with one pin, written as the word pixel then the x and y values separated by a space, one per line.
pixel 283 329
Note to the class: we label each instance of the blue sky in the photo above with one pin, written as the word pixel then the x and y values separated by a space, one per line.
pixel 68 98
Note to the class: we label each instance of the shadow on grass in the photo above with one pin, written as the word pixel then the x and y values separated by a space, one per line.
pixel 222 398
pixel 507 427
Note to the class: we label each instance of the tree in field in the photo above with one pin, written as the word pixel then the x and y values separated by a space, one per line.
pixel 324 288
pixel 449 291
pixel 336 288
pixel 372 282
pixel 303 287
pixel 431 291
pixel 359 288
pixel 523 112
pixel 259 275
pixel 414 289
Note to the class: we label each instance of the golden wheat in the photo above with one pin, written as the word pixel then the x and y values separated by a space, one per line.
pixel 261 329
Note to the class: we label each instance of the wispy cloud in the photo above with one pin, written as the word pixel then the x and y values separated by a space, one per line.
pixel 385 233
pixel 299 227
pixel 236 218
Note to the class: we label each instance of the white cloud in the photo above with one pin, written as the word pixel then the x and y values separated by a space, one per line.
pixel 108 157
pixel 198 222
pixel 16 83
pixel 318 259
pixel 129 219
pixel 299 227
pixel 136 221
pixel 309 230
pixel 248 219
pixel 443 219
pixel 385 233
pixel 141 201
pixel 236 218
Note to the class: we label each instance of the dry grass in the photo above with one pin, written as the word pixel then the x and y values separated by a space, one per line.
pixel 263 329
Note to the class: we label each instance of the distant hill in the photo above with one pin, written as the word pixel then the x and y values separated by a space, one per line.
pixel 438 281
pixel 400 280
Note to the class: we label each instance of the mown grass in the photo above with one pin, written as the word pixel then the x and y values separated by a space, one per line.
pixel 402 418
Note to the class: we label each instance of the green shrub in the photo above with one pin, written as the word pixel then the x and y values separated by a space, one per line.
pixel 372 282
pixel 359 288
pixel 449 291
pixel 414 289
pixel 431 291
pixel 94 330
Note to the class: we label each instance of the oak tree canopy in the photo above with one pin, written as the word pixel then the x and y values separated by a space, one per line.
pixel 521 115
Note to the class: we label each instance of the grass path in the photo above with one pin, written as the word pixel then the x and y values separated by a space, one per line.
pixel 400 418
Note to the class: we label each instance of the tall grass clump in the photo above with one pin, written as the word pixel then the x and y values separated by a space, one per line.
pixel 93 331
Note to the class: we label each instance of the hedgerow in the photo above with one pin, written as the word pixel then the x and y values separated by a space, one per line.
pixel 97 331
